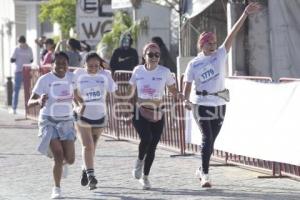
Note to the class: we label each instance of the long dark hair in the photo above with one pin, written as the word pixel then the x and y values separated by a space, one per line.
pixel 74 44
pixel 165 58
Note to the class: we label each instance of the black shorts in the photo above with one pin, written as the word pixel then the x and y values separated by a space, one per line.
pixel 93 122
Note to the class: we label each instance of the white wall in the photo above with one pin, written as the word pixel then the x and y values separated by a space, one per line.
pixel 32 30
pixel 259 44
pixel 284 38
pixel 24 18
pixel 182 63
pixel 254 61
pixel 7 42
pixel 158 24
pixel 231 15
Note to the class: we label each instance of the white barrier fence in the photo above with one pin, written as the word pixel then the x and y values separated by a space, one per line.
pixel 262 121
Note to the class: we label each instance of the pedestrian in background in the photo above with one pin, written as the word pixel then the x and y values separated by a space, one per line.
pixel 91 85
pixel 150 80
pixel 72 48
pixel 85 49
pixel 40 42
pixel 125 57
pixel 165 58
pixel 208 101
pixel 50 47
pixel 54 93
pixel 22 55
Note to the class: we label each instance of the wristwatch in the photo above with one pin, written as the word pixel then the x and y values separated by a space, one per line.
pixel 187 101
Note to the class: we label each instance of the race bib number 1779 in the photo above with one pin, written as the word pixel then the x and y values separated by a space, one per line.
pixel 207 72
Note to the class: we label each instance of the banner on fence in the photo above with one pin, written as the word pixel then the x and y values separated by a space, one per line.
pixel 262 121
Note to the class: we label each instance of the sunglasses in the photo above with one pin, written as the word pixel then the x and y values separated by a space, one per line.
pixel 151 55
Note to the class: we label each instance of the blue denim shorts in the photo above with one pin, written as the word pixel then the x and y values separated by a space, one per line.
pixel 61 128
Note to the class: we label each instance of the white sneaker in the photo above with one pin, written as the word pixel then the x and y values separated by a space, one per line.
pixel 138 169
pixel 12 111
pixel 145 182
pixel 56 193
pixel 198 173
pixel 205 181
pixel 65 171
pixel 204 178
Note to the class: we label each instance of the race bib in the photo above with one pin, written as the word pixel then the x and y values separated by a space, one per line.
pixel 61 92
pixel 207 72
pixel 92 94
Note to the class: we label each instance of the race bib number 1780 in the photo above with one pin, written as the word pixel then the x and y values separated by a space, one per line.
pixel 92 94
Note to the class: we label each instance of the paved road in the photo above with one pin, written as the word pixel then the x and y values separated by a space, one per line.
pixel 25 174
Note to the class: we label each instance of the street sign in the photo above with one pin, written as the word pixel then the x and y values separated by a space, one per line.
pixel 93 19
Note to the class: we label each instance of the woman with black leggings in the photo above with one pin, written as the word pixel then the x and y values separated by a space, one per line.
pixel 150 80
pixel 207 72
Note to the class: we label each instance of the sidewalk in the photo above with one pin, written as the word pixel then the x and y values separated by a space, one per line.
pixel 25 174
pixel 3 100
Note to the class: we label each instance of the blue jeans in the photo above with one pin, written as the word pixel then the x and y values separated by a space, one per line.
pixel 17 86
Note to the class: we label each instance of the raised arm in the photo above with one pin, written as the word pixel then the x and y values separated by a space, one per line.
pixel 59 45
pixel 249 10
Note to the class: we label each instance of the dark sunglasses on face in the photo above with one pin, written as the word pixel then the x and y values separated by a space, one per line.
pixel 151 55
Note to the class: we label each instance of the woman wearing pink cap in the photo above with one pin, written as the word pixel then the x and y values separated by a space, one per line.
pixel 150 80
pixel 208 101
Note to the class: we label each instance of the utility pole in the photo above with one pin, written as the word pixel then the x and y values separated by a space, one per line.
pixel 179 31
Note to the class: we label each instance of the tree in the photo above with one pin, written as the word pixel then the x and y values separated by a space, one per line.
pixel 60 11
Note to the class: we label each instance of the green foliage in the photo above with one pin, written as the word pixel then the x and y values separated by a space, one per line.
pixel 122 23
pixel 62 12
pixel 56 39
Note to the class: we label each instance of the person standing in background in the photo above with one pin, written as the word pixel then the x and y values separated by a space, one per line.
pixel 85 49
pixel 40 42
pixel 72 48
pixel 125 57
pixel 21 55
pixel 50 46
pixel 166 59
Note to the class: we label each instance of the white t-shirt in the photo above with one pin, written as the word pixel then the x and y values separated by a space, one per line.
pixel 92 89
pixel 60 94
pixel 22 56
pixel 207 73
pixel 151 84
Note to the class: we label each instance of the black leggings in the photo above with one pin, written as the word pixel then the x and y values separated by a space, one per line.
pixel 209 120
pixel 149 133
